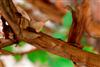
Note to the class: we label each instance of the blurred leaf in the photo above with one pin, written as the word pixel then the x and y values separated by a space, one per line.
pixel 59 36
pixel 17 57
pixel 21 43
pixel 89 49
pixel 60 62
pixel 43 30
pixel 8 48
pixel 67 19
pixel 38 55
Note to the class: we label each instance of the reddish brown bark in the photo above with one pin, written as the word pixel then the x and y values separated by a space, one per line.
pixel 43 41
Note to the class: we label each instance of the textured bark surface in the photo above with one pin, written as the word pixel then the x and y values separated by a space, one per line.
pixel 43 41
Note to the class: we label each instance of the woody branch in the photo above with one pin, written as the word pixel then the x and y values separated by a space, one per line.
pixel 43 41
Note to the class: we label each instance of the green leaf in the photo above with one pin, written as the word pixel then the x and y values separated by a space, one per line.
pixel 60 62
pixel 67 19
pixel 8 48
pixel 89 49
pixel 21 43
pixel 38 55
pixel 17 57
pixel 59 36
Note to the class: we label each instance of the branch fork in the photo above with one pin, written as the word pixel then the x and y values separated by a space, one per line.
pixel 21 28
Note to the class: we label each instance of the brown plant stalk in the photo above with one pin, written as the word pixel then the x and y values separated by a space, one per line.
pixel 43 41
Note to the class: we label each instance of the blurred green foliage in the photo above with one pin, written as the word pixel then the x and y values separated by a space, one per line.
pixel 38 55
pixel 67 20
pixel 60 36
pixel 52 60
pixel 89 49
pixel 66 24
pixel 18 57
pixel 60 62
pixel 21 43
pixel 8 48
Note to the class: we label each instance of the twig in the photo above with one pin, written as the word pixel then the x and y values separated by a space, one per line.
pixel 5 42
pixel 4 52
pixel 46 42
pixel 64 49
